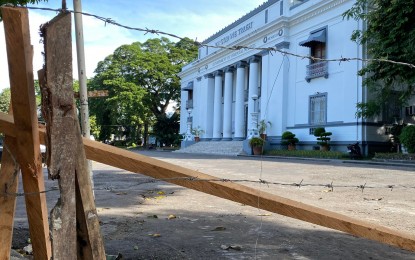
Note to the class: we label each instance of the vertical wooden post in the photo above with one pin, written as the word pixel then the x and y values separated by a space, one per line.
pixel 19 52
pixel 67 156
pixel 57 104
pixel 9 180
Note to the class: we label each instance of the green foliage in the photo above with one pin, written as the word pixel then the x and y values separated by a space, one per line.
pixel 390 34
pixel 407 138
pixel 394 156
pixel 322 136
pixel 309 154
pixel 142 80
pixel 288 138
pixel 263 125
pixel 197 131
pixel 5 100
pixel 256 142
pixel 166 129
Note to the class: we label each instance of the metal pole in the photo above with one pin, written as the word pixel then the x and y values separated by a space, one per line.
pixel 83 92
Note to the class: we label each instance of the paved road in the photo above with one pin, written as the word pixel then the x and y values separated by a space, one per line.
pixel 158 220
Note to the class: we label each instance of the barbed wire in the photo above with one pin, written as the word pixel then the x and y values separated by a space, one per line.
pixel 230 47
pixel 330 186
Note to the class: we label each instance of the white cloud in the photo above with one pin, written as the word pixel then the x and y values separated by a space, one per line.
pixel 194 19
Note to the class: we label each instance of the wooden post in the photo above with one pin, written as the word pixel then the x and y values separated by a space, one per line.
pixel 67 160
pixel 9 180
pixel 57 104
pixel 19 52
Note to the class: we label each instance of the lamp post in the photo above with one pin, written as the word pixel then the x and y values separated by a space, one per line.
pixel 189 136
pixel 253 131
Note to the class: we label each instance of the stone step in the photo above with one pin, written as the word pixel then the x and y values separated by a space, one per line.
pixel 232 148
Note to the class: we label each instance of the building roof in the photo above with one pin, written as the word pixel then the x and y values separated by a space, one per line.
pixel 257 10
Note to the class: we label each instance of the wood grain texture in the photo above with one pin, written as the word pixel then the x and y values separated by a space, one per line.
pixel 158 169
pixel 57 105
pixel 8 178
pixel 19 53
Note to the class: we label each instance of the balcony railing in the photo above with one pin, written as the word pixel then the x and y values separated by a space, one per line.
pixel 189 103
pixel 317 69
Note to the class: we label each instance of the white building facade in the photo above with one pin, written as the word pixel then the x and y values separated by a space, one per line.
pixel 223 89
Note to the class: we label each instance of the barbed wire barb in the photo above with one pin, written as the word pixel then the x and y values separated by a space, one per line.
pixel 230 47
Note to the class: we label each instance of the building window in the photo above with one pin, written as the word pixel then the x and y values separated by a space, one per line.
pixel 266 16
pixel 189 102
pixel 318 109
pixel 317 42
pixel 200 53
pixel 207 51
pixel 392 109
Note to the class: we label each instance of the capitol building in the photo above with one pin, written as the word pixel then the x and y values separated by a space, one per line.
pixel 227 93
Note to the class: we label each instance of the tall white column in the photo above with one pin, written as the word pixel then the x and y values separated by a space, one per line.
pixel 209 106
pixel 217 107
pixel 239 102
pixel 227 105
pixel 253 86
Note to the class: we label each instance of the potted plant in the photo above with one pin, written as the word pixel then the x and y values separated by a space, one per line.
pixel 407 138
pixel 262 128
pixel 257 145
pixel 289 139
pixel 323 138
pixel 197 132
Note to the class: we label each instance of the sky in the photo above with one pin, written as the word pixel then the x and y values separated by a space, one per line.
pixel 196 19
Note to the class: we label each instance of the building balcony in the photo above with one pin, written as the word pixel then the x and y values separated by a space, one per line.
pixel 317 69
pixel 189 103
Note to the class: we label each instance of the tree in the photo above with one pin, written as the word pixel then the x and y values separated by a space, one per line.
pixel 390 34
pixel 5 100
pixel 142 81
pixel 166 129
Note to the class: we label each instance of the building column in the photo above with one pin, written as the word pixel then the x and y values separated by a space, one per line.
pixel 209 105
pixel 217 107
pixel 240 102
pixel 227 105
pixel 253 88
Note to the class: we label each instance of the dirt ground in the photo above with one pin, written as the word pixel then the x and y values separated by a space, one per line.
pixel 158 220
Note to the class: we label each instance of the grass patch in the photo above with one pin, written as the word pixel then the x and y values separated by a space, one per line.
pixel 395 156
pixel 309 154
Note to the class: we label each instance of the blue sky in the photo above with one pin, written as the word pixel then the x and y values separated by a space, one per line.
pixel 197 19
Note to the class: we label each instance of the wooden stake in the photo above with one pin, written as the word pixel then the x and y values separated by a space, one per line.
pixel 19 52
pixel 9 180
pixel 133 162
pixel 57 103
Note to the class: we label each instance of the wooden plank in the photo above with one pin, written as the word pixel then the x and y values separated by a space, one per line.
pixel 91 244
pixel 154 168
pixel 158 169
pixel 19 52
pixel 58 108
pixel 9 180
pixel 94 93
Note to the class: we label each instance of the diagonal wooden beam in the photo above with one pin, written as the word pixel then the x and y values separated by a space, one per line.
pixel 158 169
pixel 20 55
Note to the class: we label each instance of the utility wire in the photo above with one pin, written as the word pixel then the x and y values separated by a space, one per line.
pixel 230 47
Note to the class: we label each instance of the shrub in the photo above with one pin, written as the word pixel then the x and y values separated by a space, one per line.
pixel 323 138
pixel 288 138
pixel 256 142
pixel 407 138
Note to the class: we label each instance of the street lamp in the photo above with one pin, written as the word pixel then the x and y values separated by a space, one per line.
pixel 253 132
pixel 189 136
